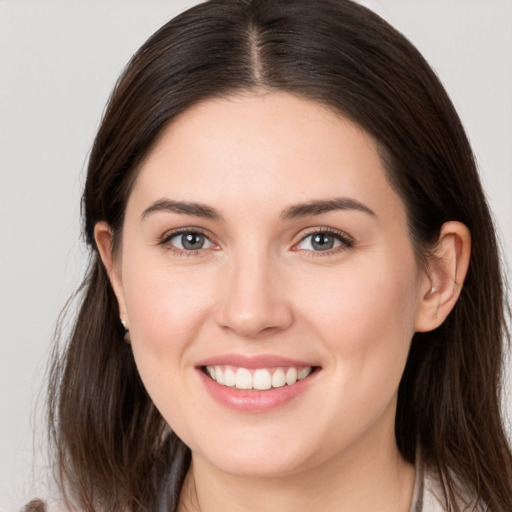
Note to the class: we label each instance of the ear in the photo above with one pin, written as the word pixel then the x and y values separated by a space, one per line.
pixel 443 280
pixel 103 237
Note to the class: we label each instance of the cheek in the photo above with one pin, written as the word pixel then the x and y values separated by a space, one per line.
pixel 364 311
pixel 166 310
pixel 166 307
pixel 364 318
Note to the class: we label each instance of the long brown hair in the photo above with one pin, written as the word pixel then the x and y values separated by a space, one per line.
pixel 113 449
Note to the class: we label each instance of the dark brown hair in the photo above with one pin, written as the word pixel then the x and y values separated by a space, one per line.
pixel 113 449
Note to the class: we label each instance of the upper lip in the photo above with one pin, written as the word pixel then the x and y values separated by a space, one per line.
pixel 253 361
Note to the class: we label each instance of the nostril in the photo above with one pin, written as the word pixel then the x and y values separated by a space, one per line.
pixel 257 321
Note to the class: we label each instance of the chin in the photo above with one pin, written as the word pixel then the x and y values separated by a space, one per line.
pixel 270 456
pixel 258 466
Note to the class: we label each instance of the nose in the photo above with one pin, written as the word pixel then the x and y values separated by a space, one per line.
pixel 254 302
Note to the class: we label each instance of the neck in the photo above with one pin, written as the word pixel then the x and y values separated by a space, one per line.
pixel 358 480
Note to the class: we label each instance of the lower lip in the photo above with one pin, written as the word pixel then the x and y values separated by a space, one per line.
pixel 255 400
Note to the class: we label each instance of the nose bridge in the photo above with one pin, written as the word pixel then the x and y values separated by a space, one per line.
pixel 254 302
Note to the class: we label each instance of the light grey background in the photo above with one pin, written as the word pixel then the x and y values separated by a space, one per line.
pixel 58 63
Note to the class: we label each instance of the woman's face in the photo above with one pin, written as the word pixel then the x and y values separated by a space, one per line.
pixel 263 246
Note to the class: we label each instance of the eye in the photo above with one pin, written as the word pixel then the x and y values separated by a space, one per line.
pixel 322 241
pixel 188 241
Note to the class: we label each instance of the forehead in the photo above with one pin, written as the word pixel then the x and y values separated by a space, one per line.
pixel 263 149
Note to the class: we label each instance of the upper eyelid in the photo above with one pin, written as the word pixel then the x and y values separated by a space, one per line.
pixel 311 231
pixel 189 229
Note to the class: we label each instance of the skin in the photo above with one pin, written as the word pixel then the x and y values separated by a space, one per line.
pixel 258 286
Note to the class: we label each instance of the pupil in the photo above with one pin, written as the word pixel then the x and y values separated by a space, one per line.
pixel 192 241
pixel 323 242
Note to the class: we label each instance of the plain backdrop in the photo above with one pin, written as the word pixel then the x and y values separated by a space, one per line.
pixel 58 63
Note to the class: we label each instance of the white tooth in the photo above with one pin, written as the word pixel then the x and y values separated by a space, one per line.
pixel 303 373
pixel 278 378
pixel 243 379
pixel 291 376
pixel 211 371
pixel 229 377
pixel 219 375
pixel 262 379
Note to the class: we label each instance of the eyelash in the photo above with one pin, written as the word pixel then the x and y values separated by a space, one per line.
pixel 167 237
pixel 346 242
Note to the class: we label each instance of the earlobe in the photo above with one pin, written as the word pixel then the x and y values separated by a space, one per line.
pixel 103 237
pixel 443 281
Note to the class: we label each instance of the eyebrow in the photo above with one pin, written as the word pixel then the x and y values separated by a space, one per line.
pixel 183 207
pixel 308 209
pixel 312 208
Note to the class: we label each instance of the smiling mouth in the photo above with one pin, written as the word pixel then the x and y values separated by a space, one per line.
pixel 258 379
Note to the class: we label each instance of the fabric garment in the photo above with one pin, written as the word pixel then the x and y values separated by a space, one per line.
pixel 428 493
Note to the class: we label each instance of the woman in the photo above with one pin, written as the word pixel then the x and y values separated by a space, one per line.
pixel 294 299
